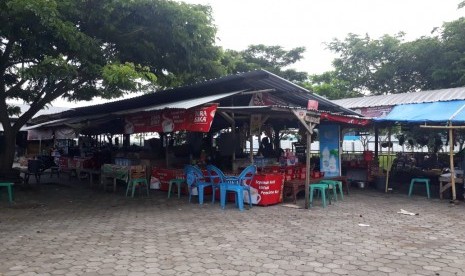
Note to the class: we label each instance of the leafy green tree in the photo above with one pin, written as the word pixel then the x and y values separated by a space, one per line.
pixel 272 58
pixel 80 49
pixel 390 65
pixel 368 64
pixel 329 86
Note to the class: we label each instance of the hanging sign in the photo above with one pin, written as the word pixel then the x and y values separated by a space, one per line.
pixel 197 119
pixel 345 119
pixel 312 105
pixel 39 134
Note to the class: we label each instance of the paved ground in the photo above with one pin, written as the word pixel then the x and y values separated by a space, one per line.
pixel 73 230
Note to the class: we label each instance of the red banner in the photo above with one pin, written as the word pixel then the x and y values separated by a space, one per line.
pixel 345 119
pixel 197 119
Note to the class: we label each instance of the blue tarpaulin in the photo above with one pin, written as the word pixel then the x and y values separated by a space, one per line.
pixel 453 111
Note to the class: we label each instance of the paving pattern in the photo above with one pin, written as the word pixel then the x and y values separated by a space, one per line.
pixel 70 229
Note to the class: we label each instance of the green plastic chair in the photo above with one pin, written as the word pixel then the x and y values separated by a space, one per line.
pixel 138 178
pixel 177 182
pixel 335 184
pixel 419 180
pixel 321 188
pixel 9 187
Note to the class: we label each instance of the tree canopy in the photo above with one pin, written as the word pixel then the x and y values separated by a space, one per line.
pixel 390 65
pixel 271 58
pixel 80 49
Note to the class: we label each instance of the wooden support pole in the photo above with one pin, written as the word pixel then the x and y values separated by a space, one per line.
pixel 251 148
pixel 451 159
pixel 307 171
pixel 376 141
pixel 388 170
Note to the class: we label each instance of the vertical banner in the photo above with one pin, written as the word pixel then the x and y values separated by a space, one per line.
pixel 330 162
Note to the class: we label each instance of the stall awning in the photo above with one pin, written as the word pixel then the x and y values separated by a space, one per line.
pixel 453 111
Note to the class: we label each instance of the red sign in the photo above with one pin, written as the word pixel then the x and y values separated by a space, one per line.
pixel 345 119
pixel 266 189
pixel 197 119
pixel 312 105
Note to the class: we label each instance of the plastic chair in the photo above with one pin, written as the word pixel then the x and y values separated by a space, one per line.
pixel 35 168
pixel 419 180
pixel 137 178
pixel 216 177
pixel 9 187
pixel 335 184
pixel 177 182
pixel 196 179
pixel 322 189
pixel 238 185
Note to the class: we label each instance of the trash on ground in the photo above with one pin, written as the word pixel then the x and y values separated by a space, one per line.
pixel 404 212
pixel 363 225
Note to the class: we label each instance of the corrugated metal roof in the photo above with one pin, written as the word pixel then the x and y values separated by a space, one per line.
pixel 250 81
pixel 427 96
pixel 193 102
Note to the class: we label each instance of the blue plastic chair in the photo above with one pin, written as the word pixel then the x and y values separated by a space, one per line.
pixel 238 185
pixel 216 177
pixel 195 179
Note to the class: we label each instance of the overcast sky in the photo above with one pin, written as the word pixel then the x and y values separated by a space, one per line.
pixel 311 23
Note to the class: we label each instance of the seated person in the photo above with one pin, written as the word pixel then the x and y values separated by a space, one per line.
pixel 266 149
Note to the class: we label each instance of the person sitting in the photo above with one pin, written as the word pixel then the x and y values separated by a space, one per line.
pixel 266 148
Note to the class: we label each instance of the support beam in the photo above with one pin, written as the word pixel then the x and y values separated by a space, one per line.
pixel 307 171
pixel 227 117
pixel 376 141
pixel 451 160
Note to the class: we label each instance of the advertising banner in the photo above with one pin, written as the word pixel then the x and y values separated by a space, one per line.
pixel 266 189
pixel 197 119
pixel 330 163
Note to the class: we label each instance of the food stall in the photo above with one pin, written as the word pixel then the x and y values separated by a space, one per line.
pixel 244 103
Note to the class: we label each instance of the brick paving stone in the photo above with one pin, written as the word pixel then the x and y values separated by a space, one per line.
pixel 69 229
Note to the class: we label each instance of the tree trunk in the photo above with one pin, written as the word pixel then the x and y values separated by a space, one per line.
pixel 7 152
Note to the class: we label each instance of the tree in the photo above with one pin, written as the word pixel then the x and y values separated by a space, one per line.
pixel 80 49
pixel 329 86
pixel 271 58
pixel 370 64
pixel 390 65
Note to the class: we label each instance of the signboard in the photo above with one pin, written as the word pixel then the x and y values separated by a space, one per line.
pixel 345 119
pixel 39 134
pixel 330 163
pixel 197 119
pixel 375 111
pixel 312 105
